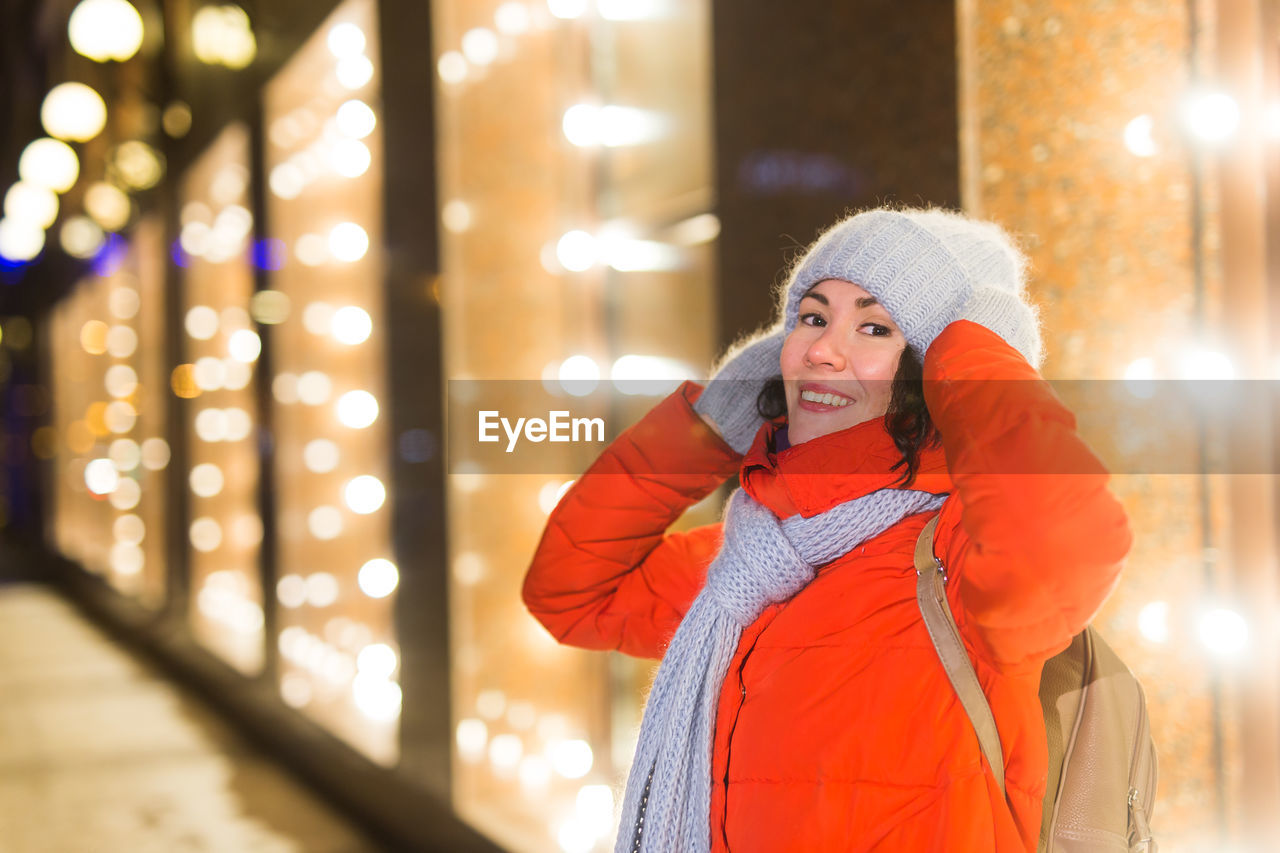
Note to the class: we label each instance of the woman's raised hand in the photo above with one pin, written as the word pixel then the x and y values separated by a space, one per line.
pixel 1009 317
pixel 729 400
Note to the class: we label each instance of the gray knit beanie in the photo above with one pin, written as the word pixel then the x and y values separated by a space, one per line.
pixel 927 267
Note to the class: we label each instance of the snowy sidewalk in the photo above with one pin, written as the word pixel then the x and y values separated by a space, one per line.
pixel 99 754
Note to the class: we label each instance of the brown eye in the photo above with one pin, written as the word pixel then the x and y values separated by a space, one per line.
pixel 817 319
pixel 878 330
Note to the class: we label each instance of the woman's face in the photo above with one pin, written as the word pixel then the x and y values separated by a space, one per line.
pixel 844 345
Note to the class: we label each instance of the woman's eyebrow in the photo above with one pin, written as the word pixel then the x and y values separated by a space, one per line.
pixel 861 302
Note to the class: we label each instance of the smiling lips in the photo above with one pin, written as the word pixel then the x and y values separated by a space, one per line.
pixel 818 399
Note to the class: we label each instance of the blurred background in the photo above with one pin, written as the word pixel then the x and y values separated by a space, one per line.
pixel 254 259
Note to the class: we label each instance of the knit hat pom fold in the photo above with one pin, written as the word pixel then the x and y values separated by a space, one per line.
pixel 926 267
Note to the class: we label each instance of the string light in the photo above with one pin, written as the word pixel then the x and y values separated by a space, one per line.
pixel 49 163
pixel 20 241
pixel 1137 136
pixel 103 30
pixel 73 111
pixel 33 204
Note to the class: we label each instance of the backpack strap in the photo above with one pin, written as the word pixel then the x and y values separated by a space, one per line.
pixel 931 594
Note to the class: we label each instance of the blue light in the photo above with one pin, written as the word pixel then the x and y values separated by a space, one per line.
pixel 179 255
pixel 110 256
pixel 11 271
pixel 268 254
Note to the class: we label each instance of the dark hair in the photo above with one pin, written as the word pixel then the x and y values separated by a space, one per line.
pixel 907 419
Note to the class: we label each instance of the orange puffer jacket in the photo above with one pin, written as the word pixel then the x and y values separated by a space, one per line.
pixel 836 727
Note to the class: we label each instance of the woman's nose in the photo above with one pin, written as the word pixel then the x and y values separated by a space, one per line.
pixel 827 350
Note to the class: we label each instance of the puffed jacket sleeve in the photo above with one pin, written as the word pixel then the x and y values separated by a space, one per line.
pixel 1040 540
pixel 606 573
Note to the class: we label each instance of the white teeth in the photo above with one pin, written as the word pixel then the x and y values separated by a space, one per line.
pixel 826 399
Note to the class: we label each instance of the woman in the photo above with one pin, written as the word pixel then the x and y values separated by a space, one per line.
pixel 800 704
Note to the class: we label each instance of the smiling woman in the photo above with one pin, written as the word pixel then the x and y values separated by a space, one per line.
pixel 839 362
pixel 849 428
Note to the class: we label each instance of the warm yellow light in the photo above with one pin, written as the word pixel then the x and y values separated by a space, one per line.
pixel 244 346
pixel 129 528
pixel 322 589
pixel 20 241
pixel 320 455
pixel 93 337
pixel 123 303
pixel 211 424
pixel 348 242
pixel 567 9
pixel 378 578
pixel 105 29
pixel 73 111
pixel 287 180
pixel 291 591
pixel 357 409
pixel 121 380
pixel 125 558
pixel 122 341
pixel 222 35
pixel 269 307
pixel 238 424
pixel 138 164
pixel 176 119
pixel 236 374
pixel 364 494
pixel 201 322
pixel 377 659
pixel 456 216
pixel 314 388
pixel 32 204
pixel 356 119
pixel 120 416
pixel 206 479
pixel 350 158
pixel 452 66
pixel 127 494
pixel 108 205
pixel 205 534
pixel 183 381
pixel 471 736
pixel 325 522
pixel 377 698
pixel 209 373
pixel 311 250
pixel 317 318
pixel 480 45
pixel 125 454
pixel 351 325
pixel 155 454
pixel 101 476
pixel 572 759
pixel 49 163
pixel 346 39
pixel 512 18
pixel 81 237
pixel 284 387
pixel 354 72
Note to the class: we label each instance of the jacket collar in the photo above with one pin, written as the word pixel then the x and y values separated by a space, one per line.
pixel 812 477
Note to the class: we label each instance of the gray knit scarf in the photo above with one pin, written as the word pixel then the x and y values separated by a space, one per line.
pixel 667 805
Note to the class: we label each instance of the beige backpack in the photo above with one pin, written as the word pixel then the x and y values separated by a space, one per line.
pixel 1102 761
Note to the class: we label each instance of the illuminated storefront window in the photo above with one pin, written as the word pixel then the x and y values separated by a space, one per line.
pixel 221 348
pixel 576 242
pixel 337 577
pixel 109 396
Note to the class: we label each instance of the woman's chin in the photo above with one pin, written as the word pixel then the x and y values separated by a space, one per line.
pixel 807 426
